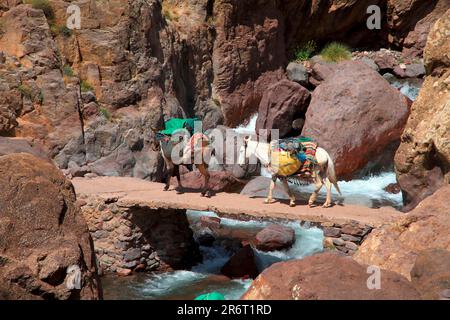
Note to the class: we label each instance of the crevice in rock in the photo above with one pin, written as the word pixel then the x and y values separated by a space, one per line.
pixel 62 215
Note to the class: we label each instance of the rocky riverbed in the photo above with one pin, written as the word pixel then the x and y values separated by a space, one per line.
pixel 84 104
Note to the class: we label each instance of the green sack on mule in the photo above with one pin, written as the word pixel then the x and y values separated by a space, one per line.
pixel 211 296
pixel 174 124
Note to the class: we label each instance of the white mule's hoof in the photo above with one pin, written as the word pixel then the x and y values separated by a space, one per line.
pixel 267 201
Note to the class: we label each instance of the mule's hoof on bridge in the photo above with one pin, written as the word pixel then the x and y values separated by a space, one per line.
pixel 292 204
pixel 312 205
pixel 166 188
pixel 327 205
pixel 206 194
pixel 269 201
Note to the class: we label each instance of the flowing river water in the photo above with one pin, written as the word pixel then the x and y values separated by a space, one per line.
pixel 205 277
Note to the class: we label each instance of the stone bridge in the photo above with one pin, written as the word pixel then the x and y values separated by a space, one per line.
pixel 136 225
pixel 132 191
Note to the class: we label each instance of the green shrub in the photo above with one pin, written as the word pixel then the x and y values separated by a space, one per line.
pixel 25 91
pixel 39 98
pixel 167 15
pixel 44 5
pixel 335 52
pixel 67 71
pixel 60 30
pixel 86 86
pixel 28 93
pixel 305 52
pixel 105 113
pixel 65 31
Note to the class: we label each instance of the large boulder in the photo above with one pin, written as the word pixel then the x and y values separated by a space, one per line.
pixel 220 181
pixel 241 264
pixel 431 273
pixel 422 161
pixel 357 117
pixel 275 237
pixel 19 145
pixel 396 246
pixel 326 276
pixel 45 247
pixel 281 104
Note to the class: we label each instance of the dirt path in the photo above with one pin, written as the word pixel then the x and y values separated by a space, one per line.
pixel 151 194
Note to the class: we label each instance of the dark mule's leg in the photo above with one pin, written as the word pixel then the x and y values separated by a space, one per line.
pixel 169 174
pixel 176 173
pixel 204 171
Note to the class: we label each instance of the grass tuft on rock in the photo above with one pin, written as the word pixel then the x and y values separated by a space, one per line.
pixel 25 91
pixel 305 52
pixel 335 52
pixel 86 86
pixel 105 113
pixel 45 6
pixel 67 71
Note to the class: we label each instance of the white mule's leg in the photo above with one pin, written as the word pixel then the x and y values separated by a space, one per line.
pixel 327 203
pixel 288 191
pixel 319 184
pixel 271 187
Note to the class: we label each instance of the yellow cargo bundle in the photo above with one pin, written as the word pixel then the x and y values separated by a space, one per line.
pixel 284 163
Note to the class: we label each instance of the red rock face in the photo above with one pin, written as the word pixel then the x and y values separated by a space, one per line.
pixel 325 21
pixel 42 234
pixel 281 104
pixel 356 116
pixel 422 161
pixel 248 51
pixel 326 276
pixel 411 21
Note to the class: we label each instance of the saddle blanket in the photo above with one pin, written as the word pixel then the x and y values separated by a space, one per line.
pixel 294 156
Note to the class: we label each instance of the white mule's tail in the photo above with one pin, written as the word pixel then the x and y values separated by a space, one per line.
pixel 331 174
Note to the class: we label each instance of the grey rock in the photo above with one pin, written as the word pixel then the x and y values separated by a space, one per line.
pixel 338 242
pixel 132 254
pixel 351 246
pixel 348 237
pixel 130 265
pixel 100 234
pixel 88 97
pixel 414 70
pixel 298 124
pixel 297 72
pixel 389 77
pixel 331 232
pixel 370 63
